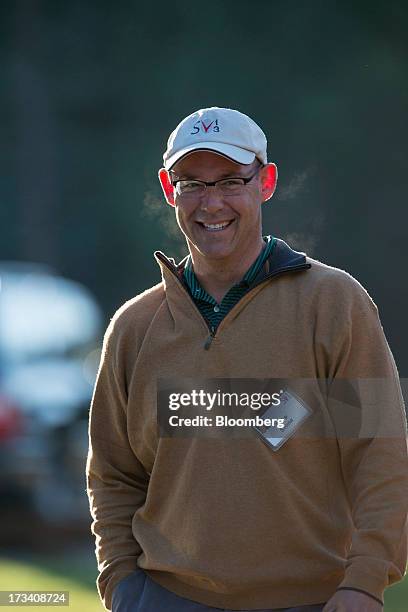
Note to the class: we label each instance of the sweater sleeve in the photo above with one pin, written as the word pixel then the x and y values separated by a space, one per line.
pixel 116 480
pixel 374 457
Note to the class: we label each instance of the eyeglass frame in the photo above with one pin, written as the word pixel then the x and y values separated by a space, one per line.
pixel 214 183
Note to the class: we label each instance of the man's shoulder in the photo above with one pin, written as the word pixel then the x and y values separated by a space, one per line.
pixel 147 300
pixel 137 312
pixel 320 275
pixel 323 271
pixel 336 284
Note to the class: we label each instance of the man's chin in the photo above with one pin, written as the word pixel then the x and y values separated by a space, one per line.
pixel 214 252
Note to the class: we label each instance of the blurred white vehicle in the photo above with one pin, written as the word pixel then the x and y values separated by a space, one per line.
pixel 50 330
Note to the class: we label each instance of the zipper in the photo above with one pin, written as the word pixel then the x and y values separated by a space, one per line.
pixel 210 338
pixel 211 328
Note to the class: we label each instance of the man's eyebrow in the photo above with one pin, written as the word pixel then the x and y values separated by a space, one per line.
pixel 180 176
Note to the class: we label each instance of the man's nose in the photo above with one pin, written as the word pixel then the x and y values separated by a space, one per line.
pixel 211 200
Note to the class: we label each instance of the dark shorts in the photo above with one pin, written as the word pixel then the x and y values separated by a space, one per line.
pixel 139 593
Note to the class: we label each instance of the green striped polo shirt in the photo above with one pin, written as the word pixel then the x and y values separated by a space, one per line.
pixel 207 305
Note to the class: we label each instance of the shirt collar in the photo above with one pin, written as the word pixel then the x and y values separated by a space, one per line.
pixel 198 292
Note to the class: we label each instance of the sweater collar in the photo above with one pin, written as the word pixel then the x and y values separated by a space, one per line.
pixel 282 259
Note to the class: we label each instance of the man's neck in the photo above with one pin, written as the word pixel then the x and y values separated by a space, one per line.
pixel 217 276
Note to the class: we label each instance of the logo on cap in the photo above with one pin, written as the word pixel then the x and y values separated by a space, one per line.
pixel 200 126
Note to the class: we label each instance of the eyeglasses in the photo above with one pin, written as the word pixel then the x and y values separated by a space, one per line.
pixel 229 186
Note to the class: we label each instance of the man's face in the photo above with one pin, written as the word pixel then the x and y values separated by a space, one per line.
pixel 241 212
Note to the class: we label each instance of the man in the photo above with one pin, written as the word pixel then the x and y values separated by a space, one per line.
pixel 195 523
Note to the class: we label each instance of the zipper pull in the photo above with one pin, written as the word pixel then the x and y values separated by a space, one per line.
pixel 210 338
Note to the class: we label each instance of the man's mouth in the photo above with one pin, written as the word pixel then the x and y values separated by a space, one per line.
pixel 216 227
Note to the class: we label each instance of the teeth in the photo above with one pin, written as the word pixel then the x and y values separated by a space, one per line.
pixel 216 226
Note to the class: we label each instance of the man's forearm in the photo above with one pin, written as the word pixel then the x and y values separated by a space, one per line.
pixel 116 480
pixel 115 493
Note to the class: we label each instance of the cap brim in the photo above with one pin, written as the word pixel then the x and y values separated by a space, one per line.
pixel 236 154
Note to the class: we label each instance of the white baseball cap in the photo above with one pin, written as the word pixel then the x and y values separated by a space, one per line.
pixel 222 130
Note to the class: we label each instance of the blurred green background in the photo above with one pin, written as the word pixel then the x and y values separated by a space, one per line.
pixel 90 92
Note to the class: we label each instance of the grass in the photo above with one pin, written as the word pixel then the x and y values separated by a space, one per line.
pixel 396 597
pixel 78 577
pixel 52 575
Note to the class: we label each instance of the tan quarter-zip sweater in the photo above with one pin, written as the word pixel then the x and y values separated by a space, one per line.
pixel 229 522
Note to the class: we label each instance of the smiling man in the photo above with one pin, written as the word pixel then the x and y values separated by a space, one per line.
pixel 223 224
pixel 315 522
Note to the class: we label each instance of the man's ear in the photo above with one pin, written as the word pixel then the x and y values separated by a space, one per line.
pixel 168 189
pixel 269 178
